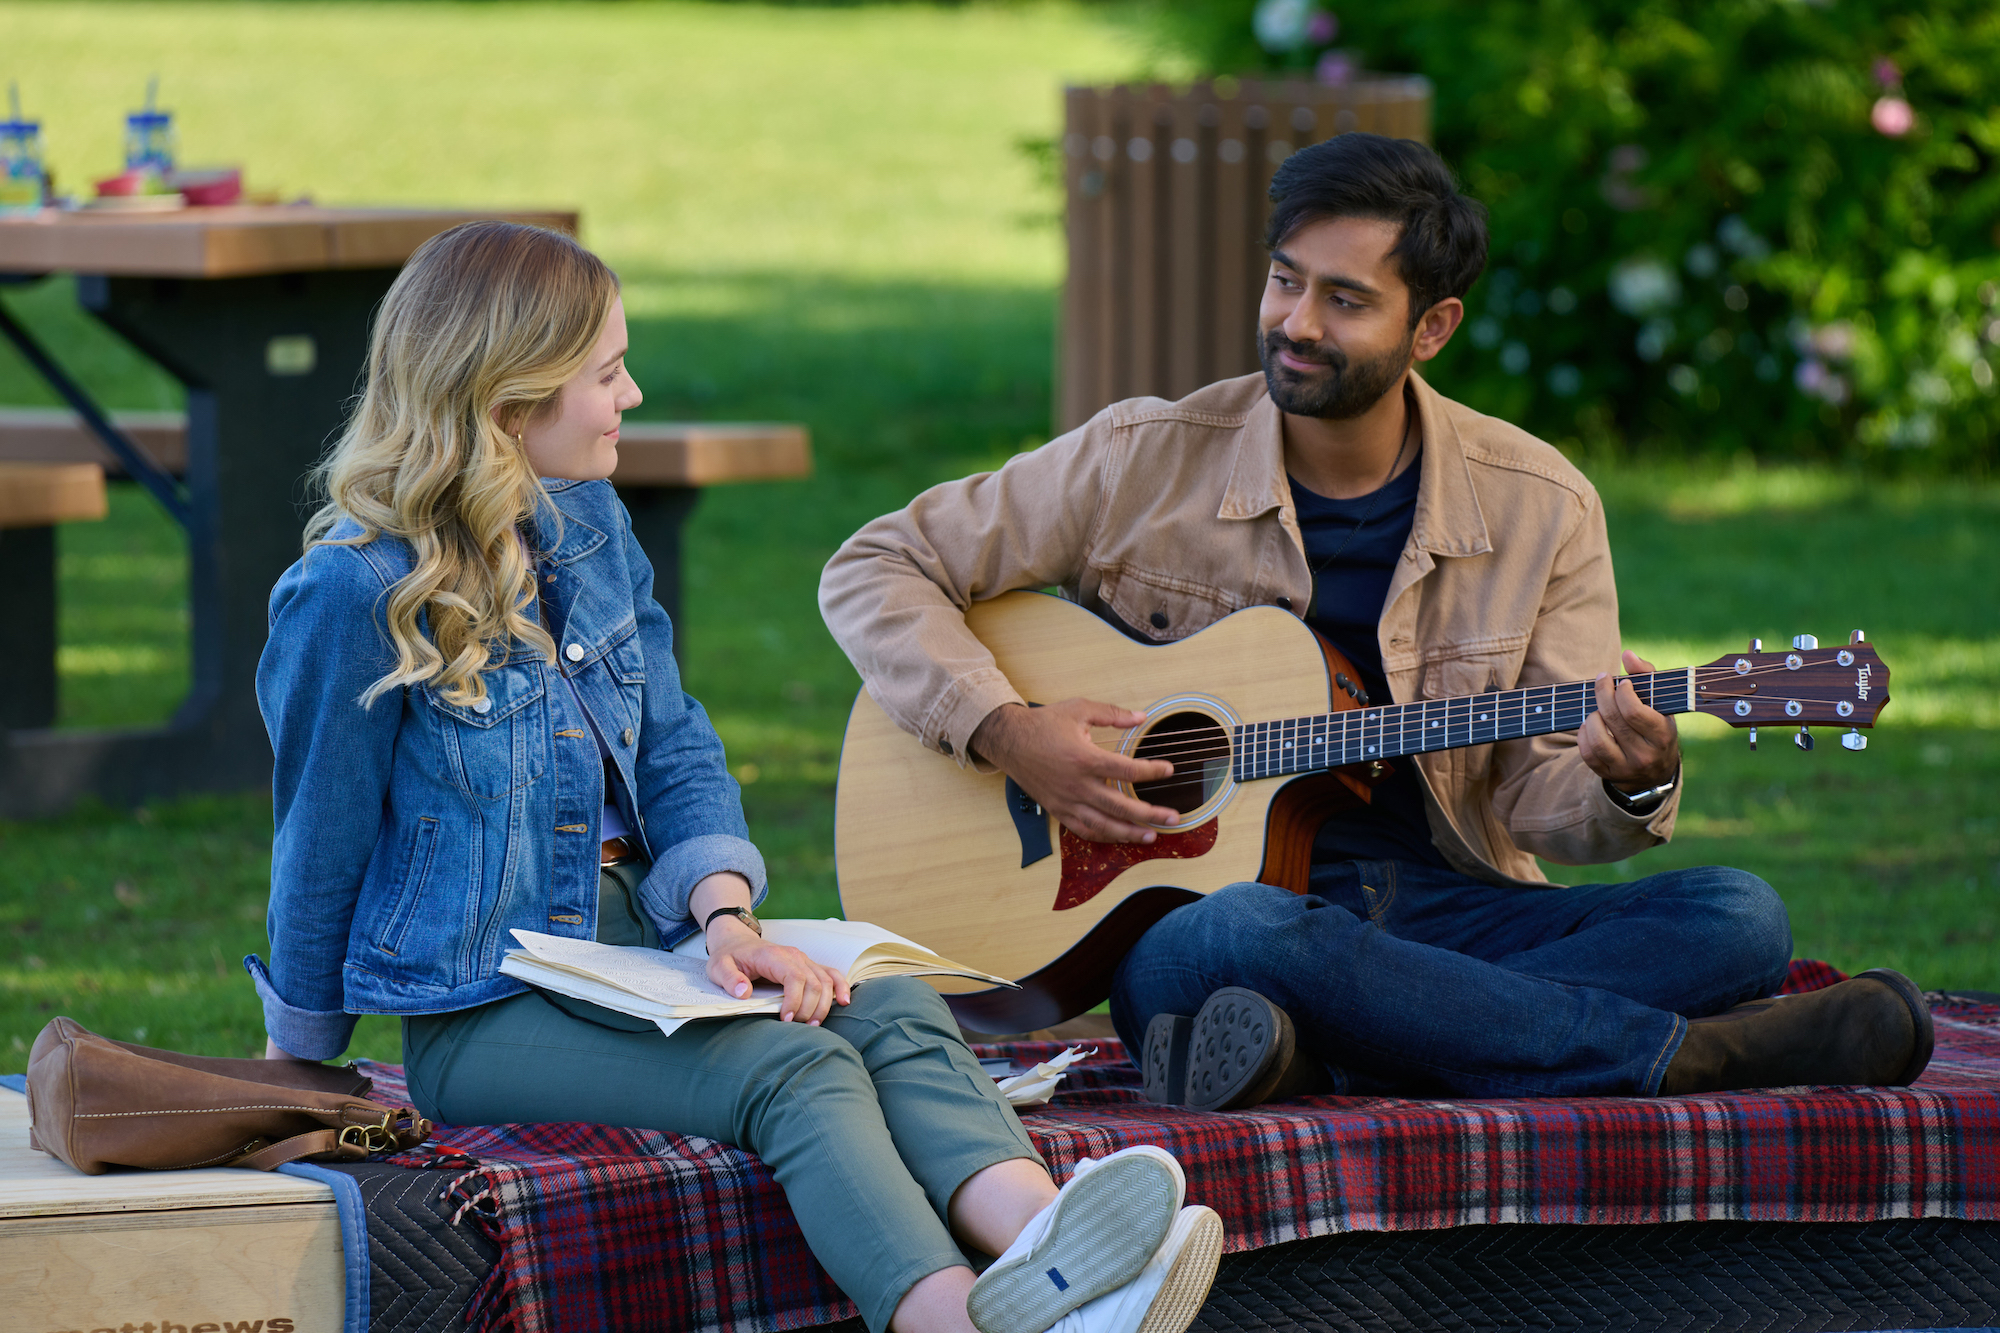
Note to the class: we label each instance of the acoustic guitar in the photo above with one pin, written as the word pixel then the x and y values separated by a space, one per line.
pixel 1268 734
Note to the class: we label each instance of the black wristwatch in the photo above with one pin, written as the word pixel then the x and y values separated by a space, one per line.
pixel 743 914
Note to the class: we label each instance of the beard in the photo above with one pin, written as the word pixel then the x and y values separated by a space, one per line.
pixel 1344 391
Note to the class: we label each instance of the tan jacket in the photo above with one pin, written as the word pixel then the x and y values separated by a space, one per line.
pixel 1172 515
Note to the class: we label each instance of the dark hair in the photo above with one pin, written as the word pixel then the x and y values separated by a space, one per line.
pixel 1443 246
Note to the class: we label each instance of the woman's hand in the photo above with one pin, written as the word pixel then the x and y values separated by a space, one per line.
pixel 738 955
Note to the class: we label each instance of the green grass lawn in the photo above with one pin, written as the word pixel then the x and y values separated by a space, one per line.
pixel 820 215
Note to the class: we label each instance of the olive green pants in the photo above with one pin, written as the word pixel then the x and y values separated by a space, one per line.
pixel 870 1122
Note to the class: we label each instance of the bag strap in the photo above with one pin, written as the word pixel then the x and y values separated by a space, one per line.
pixel 401 1127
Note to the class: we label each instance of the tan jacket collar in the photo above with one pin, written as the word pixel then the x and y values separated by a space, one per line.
pixel 1448 520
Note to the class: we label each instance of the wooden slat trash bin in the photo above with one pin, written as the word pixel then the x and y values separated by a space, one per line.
pixel 1165 209
pixel 34 497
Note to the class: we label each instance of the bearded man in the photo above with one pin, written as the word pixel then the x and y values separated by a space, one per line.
pixel 1444 553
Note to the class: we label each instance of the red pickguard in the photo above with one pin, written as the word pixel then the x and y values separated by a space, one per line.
pixel 1088 866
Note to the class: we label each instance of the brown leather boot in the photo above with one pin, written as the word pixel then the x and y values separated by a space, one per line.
pixel 1872 1029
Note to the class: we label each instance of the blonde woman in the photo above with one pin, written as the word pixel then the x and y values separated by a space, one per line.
pixel 478 726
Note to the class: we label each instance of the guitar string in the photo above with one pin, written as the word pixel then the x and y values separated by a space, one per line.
pixel 1204 751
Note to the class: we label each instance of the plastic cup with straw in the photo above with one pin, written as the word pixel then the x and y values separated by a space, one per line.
pixel 22 178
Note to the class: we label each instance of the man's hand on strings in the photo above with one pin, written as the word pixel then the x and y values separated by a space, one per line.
pixel 1624 742
pixel 1050 754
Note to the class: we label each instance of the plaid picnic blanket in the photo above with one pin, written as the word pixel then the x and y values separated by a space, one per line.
pixel 601 1227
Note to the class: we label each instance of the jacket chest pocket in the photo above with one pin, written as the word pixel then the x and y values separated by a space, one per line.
pixel 499 744
pixel 1476 673
pixel 1159 610
pixel 626 662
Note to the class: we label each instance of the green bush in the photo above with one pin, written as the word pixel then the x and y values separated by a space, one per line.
pixel 1763 225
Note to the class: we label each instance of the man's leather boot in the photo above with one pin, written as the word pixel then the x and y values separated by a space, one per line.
pixel 1873 1029
pixel 1243 1051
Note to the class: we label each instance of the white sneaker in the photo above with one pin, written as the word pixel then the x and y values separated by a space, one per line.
pixel 1104 1227
pixel 1169 1291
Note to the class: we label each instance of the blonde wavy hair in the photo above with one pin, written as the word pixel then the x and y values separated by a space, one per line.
pixel 486 316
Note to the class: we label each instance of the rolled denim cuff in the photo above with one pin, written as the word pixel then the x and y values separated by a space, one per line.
pixel 310 1034
pixel 670 883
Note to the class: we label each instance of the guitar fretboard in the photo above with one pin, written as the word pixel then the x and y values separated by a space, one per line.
pixel 1332 740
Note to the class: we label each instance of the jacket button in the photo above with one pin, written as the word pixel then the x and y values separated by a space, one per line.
pixel 944 745
pixel 482 706
pixel 1159 619
pixel 1284 603
pixel 574 652
pixel 625 736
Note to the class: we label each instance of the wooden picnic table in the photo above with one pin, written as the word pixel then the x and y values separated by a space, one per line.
pixel 262 313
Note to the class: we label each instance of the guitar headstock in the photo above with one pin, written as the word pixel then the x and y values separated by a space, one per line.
pixel 1807 686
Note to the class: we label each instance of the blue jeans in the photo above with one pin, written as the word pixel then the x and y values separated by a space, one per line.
pixel 1408 978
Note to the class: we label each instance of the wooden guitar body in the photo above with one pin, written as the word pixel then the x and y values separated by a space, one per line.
pixel 934 851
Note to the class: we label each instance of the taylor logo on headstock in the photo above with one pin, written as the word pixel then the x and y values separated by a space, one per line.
pixel 1861 681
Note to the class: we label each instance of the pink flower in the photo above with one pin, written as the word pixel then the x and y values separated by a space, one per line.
pixel 1892 116
pixel 1335 68
pixel 1322 28
pixel 1886 72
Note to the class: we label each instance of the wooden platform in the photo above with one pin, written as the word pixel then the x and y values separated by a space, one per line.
pixel 194 1249
pixel 650 453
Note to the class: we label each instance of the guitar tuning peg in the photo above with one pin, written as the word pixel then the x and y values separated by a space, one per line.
pixel 1756 645
pixel 1753 734
pixel 1804 641
pixel 1854 740
pixel 1803 740
pixel 1857 637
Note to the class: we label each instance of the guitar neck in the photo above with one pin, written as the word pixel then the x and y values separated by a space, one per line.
pixel 1360 735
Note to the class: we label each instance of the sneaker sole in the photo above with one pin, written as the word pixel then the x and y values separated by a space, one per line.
pixel 1240 1046
pixel 1186 1289
pixel 1108 1225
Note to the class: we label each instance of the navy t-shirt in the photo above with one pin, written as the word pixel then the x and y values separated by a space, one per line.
pixel 1348 596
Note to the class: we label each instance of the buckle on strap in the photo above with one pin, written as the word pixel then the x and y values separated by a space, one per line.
pixel 388 1135
pixel 367 1139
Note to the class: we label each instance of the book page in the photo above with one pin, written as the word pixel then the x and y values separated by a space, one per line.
pixel 831 942
pixel 651 974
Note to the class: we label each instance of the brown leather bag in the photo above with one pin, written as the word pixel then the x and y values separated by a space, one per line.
pixel 98 1103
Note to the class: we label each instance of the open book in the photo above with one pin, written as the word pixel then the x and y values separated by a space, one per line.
pixel 670 988
pixel 860 950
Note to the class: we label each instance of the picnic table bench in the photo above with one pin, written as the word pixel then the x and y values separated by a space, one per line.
pixel 34 498
pixel 262 313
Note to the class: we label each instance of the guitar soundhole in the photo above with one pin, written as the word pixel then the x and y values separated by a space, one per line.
pixel 1198 748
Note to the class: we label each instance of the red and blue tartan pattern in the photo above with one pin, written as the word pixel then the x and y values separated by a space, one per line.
pixel 601 1227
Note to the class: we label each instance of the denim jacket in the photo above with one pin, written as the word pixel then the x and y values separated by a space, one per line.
pixel 412 835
